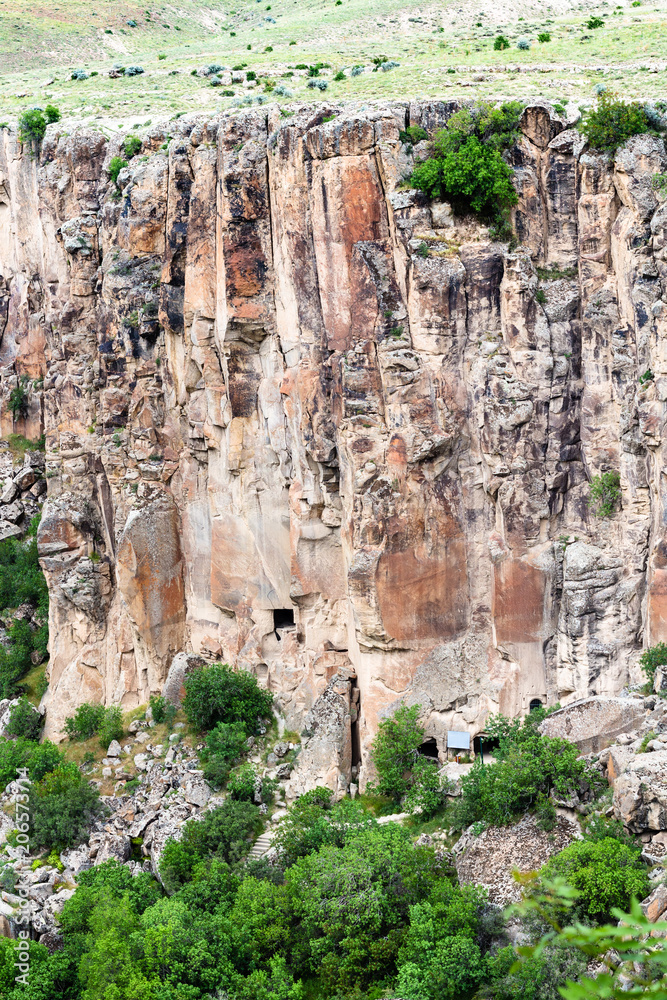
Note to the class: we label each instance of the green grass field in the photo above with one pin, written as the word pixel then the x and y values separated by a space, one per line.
pixel 442 50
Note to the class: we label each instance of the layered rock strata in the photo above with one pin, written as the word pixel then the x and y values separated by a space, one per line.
pixel 281 434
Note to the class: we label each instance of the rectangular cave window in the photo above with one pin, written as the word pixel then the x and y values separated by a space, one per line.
pixel 283 618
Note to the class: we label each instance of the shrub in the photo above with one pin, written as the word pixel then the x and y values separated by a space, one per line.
pixel 85 722
pixel 51 114
pixel 162 55
pixel 212 69
pixel 523 44
pixel 224 745
pixel 131 145
pixel 313 822
pixel 38 758
pixel 528 767
pixel 412 135
pixel 501 43
pixel 163 710
pixel 251 75
pixel 134 70
pixel 538 977
pixel 111 726
pixel 63 806
pixel 613 121
pixel 225 833
pixel 543 36
pixel 594 22
pixel 356 71
pixel 468 168
pixel 389 64
pixel 116 164
pixel 340 75
pixel 24 721
pixel 402 772
pixel 78 74
pixel 19 398
pixel 652 658
pixel 605 493
pixel 318 84
pixel 606 874
pixel 218 694
pixel 243 782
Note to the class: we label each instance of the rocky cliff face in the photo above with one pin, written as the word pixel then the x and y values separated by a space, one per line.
pixel 278 435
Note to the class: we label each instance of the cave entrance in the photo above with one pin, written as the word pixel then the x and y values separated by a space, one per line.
pixel 483 744
pixel 429 748
pixel 535 705
pixel 282 618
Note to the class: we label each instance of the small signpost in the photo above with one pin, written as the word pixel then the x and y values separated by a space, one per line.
pixel 457 740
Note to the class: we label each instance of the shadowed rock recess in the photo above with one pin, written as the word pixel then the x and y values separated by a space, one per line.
pixel 279 436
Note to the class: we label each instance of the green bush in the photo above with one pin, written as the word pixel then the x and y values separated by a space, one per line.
pixel 613 121
pixel 226 833
pixel 116 164
pixel 243 782
pixel 501 43
pixel 38 758
pixel 218 694
pixel 313 822
pixel 19 398
pixel 22 580
pixel 412 135
pixel 652 658
pixel 543 36
pixel 111 726
pixel 538 977
pixel 527 769
pixel 594 22
pixel 131 145
pixel 85 722
pixel 468 168
pixel 605 493
pixel 352 903
pixel 224 746
pixel 403 773
pixel 51 114
pixel 32 127
pixel 24 721
pixel 606 873
pixel 63 806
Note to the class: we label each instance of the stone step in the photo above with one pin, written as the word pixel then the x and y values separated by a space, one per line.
pixel 261 845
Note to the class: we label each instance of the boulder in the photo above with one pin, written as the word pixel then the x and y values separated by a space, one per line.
pixel 197 791
pixel 655 905
pixel 181 665
pixel 114 749
pixel 594 723
pixel 640 793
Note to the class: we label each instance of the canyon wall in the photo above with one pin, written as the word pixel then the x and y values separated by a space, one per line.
pixel 280 434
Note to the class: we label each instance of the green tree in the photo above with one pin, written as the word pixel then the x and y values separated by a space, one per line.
pixel 613 122
pixel 219 694
pixel 403 773
pixel 606 873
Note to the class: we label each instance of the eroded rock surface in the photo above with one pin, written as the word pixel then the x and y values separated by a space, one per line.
pixel 278 435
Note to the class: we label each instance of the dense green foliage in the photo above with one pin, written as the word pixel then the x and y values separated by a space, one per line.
pixel 652 658
pixel 468 167
pixel 37 758
pixel 19 397
pixel 85 722
pixel 116 164
pixel 131 145
pixel 605 493
pixel 606 873
pixel 613 121
pixel 63 805
pixel 527 769
pixel 21 581
pixel 313 822
pixel 226 833
pixel 24 721
pixel 403 773
pixel 111 726
pixel 219 694
pixel 33 122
